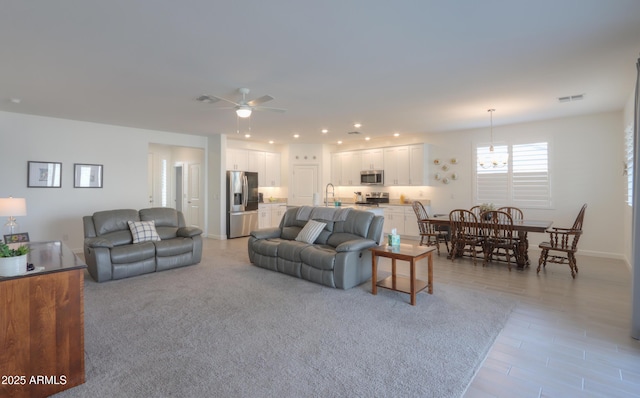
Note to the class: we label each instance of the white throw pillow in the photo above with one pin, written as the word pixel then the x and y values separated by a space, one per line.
pixel 311 231
pixel 143 231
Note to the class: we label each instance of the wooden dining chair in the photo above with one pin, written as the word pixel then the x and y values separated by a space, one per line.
pixel 465 234
pixel 430 235
pixel 563 242
pixel 514 212
pixel 497 231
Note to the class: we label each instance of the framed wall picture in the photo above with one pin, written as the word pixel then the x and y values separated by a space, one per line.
pixel 22 237
pixel 44 174
pixel 87 175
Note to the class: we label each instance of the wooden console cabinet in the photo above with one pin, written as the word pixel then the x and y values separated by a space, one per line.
pixel 42 325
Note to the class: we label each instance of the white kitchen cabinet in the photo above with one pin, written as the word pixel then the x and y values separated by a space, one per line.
pixel 238 159
pixel 393 219
pixel 277 211
pixel 372 159
pixel 418 167
pixel 257 163
pixel 272 169
pixel 264 215
pixel 406 165
pixel 345 168
pixel 396 165
pixel 403 219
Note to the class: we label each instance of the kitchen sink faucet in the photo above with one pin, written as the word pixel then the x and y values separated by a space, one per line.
pixel 326 194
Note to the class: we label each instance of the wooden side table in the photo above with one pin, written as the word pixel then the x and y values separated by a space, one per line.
pixel 42 324
pixel 409 253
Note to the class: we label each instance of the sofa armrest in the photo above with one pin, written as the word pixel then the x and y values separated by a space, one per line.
pixel 355 245
pixel 98 242
pixel 266 233
pixel 188 232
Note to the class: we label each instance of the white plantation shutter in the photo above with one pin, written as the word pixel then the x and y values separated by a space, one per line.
pixel 530 175
pixel 628 149
pixel 523 182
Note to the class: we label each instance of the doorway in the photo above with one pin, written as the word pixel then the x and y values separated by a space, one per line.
pixel 304 184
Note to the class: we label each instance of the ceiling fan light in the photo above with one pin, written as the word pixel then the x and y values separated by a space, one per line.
pixel 243 111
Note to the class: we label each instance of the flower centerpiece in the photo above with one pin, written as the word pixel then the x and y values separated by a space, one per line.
pixel 13 261
pixel 487 207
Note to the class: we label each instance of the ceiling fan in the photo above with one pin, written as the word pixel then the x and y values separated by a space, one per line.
pixel 243 107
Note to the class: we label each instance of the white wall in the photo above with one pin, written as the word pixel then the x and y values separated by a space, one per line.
pixel 586 167
pixel 586 161
pixel 56 213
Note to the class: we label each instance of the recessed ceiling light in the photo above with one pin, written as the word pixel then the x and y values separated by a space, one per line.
pixel 396 134
pixel 247 136
pixel 325 131
pixel 296 135
pixel 367 138
pixel 270 141
pixel 339 142
pixel 357 125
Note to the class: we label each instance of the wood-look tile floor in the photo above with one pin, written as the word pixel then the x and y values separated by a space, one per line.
pixel 565 337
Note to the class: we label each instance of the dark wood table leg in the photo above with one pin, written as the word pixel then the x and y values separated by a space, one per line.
pixel 430 273
pixel 412 281
pixel 374 274
pixel 393 272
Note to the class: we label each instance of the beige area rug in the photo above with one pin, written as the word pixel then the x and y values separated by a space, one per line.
pixel 225 328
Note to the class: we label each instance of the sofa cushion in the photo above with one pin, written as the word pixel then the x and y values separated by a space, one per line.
pixel 113 220
pixel 291 249
pixel 133 253
pixel 174 247
pixel 319 256
pixel 311 231
pixel 143 231
pixel 266 247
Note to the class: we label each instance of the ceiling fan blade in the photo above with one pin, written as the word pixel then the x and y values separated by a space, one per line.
pixel 268 108
pixel 207 99
pixel 224 99
pixel 260 100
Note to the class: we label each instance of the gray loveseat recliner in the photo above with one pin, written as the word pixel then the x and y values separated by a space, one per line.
pixel 338 258
pixel 111 254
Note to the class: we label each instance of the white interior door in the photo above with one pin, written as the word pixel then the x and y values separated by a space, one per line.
pixel 305 184
pixel 195 215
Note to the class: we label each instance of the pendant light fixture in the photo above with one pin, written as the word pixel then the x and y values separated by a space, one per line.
pixel 493 160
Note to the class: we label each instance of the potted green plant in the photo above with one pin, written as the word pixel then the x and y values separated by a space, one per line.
pixel 13 260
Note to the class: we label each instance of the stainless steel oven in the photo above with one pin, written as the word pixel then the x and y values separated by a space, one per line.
pixel 372 177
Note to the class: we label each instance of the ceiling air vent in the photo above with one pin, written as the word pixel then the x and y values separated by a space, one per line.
pixel 354 132
pixel 571 98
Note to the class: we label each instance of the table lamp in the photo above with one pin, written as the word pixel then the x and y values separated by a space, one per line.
pixel 12 207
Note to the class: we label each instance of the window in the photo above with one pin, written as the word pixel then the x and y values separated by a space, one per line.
pixel 628 164
pixel 523 181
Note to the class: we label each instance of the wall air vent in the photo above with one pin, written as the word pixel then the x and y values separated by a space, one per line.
pixel 571 98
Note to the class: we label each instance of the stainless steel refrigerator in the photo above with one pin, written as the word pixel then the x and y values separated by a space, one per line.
pixel 242 203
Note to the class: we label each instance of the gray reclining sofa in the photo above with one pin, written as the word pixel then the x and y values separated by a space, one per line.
pixel 338 258
pixel 110 253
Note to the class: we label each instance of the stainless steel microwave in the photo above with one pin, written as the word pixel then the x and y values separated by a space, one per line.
pixel 372 177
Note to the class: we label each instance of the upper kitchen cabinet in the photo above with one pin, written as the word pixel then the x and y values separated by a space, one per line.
pixel 237 159
pixel 396 165
pixel 272 169
pixel 406 165
pixel 345 168
pixel 372 159
pixel 267 165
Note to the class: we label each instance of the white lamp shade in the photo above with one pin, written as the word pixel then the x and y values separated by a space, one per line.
pixel 13 207
pixel 243 111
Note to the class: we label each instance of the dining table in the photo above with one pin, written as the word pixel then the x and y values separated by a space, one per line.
pixel 522 227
